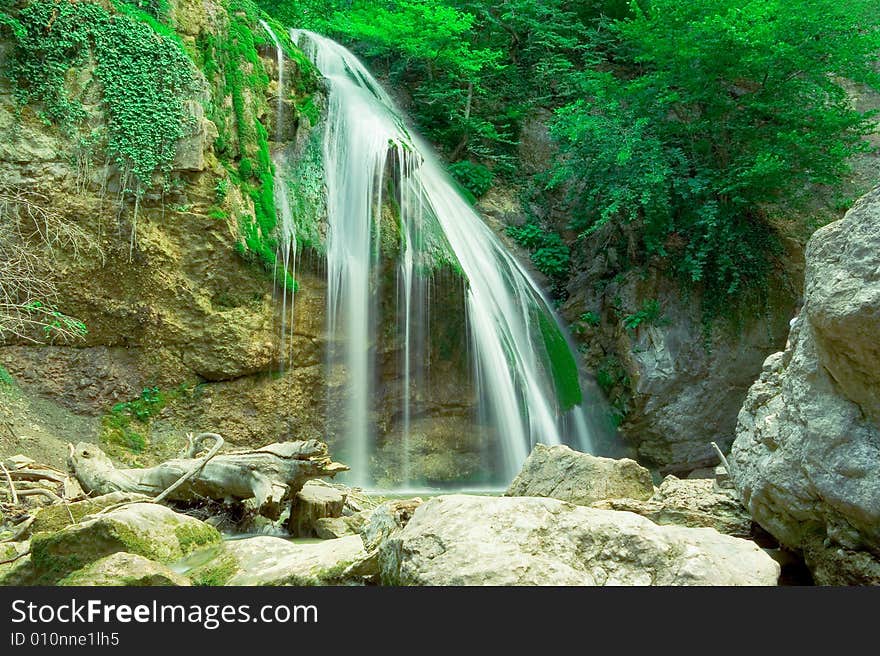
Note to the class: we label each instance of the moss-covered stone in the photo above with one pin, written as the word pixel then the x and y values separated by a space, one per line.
pixel 11 555
pixel 215 572
pixel 145 529
pixel 272 561
pixel 52 519
pixel 121 569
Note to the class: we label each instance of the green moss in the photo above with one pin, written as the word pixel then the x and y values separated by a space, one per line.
pixel 193 536
pixel 563 367
pixel 614 381
pixel 56 555
pixel 6 378
pixel 216 572
pixel 126 429
pixel 306 107
pixel 232 63
pixel 303 182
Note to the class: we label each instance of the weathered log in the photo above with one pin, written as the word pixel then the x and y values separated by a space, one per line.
pixel 269 476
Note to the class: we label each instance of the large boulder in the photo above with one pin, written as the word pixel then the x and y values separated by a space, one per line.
pixel 146 529
pixel 470 540
pixel 806 459
pixel 580 478
pixel 273 561
pixel 58 516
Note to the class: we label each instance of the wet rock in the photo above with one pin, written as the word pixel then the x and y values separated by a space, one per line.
pixel 468 540
pixel 561 473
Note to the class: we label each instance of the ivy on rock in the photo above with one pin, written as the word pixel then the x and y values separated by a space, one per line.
pixel 144 78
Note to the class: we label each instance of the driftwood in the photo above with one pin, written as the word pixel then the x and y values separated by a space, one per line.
pixel 265 478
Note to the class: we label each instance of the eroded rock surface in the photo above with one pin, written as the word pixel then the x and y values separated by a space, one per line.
pixel 469 540
pixel 806 459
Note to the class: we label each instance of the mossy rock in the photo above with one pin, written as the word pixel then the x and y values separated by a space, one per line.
pixel 9 551
pixel 145 529
pixel 273 561
pixel 124 569
pixel 51 519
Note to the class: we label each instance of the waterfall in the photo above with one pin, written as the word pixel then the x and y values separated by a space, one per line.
pixel 287 245
pixel 523 368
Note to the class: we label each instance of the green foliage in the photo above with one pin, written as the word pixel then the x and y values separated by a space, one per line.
pixel 475 178
pixel 231 61
pixel 126 422
pixel 221 189
pixel 144 77
pixel 704 115
pixel 306 107
pixel 550 254
pixel 5 377
pixel 587 319
pixel 612 378
pixel 54 322
pixel 158 9
pixel 648 314
pixel 149 403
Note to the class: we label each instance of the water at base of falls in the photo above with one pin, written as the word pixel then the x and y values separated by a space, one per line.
pixel 407 257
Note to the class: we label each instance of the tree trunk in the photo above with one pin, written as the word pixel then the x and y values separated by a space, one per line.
pixel 270 476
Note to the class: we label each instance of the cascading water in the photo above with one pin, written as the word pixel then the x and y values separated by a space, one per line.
pixel 523 368
pixel 287 245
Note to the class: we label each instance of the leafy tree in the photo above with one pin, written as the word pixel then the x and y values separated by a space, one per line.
pixel 704 115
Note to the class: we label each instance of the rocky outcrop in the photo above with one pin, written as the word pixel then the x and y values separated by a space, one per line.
pixel 173 303
pixel 673 392
pixel 691 502
pixel 579 478
pixel 468 540
pixel 806 459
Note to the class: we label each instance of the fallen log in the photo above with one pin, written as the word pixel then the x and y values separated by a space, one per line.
pixel 265 478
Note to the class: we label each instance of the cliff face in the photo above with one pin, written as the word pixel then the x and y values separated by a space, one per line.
pixel 674 391
pixel 806 459
pixel 164 292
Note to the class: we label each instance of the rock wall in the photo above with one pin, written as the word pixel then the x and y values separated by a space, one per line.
pixel 806 459
pixel 674 392
pixel 173 303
